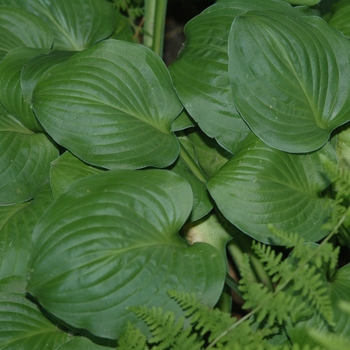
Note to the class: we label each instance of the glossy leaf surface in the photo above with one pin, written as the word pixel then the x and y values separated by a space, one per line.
pixel 200 74
pixel 289 77
pixel 121 111
pixel 19 28
pixel 111 242
pixel 261 185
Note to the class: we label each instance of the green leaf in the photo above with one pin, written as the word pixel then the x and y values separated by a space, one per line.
pixel 24 161
pixel 340 17
pixel 19 28
pixel 81 343
pixel 200 74
pixel 202 204
pixel 183 121
pixel 110 242
pixel 36 67
pixel 121 111
pixel 22 325
pixel 67 169
pixel 290 78
pixel 338 287
pixel 76 24
pixel 261 185
pixel 303 2
pixel 16 225
pixel 11 95
pixel 211 157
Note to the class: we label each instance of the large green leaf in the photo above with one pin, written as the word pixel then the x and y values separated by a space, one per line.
pixel 25 160
pixel 338 286
pixel 261 185
pixel 16 225
pixel 111 242
pixel 11 95
pixel 112 106
pixel 22 325
pixel 290 78
pixel 200 73
pixel 19 28
pixel 76 24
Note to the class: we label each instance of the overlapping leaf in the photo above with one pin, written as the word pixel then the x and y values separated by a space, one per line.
pixel 16 225
pixel 67 169
pixel 201 200
pixel 112 106
pixel 290 78
pixel 11 95
pixel 20 28
pixel 200 73
pixel 111 242
pixel 76 24
pixel 36 67
pixel 261 185
pixel 25 160
pixel 340 17
pixel 22 324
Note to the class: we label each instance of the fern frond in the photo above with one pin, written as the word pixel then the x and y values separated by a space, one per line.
pixel 132 339
pixel 203 319
pixel 273 264
pixel 166 333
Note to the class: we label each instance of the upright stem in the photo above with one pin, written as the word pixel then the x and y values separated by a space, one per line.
pixel 155 11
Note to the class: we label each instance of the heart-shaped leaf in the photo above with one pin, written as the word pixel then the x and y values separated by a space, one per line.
pixel 16 225
pixel 261 185
pixel 25 160
pixel 22 324
pixel 67 169
pixel 290 78
pixel 11 95
pixel 76 24
pixel 19 27
pixel 112 106
pixel 110 242
pixel 200 74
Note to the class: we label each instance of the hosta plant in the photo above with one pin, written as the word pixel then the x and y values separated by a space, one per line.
pixel 128 186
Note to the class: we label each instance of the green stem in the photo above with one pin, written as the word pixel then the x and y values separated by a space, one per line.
pixel 155 12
